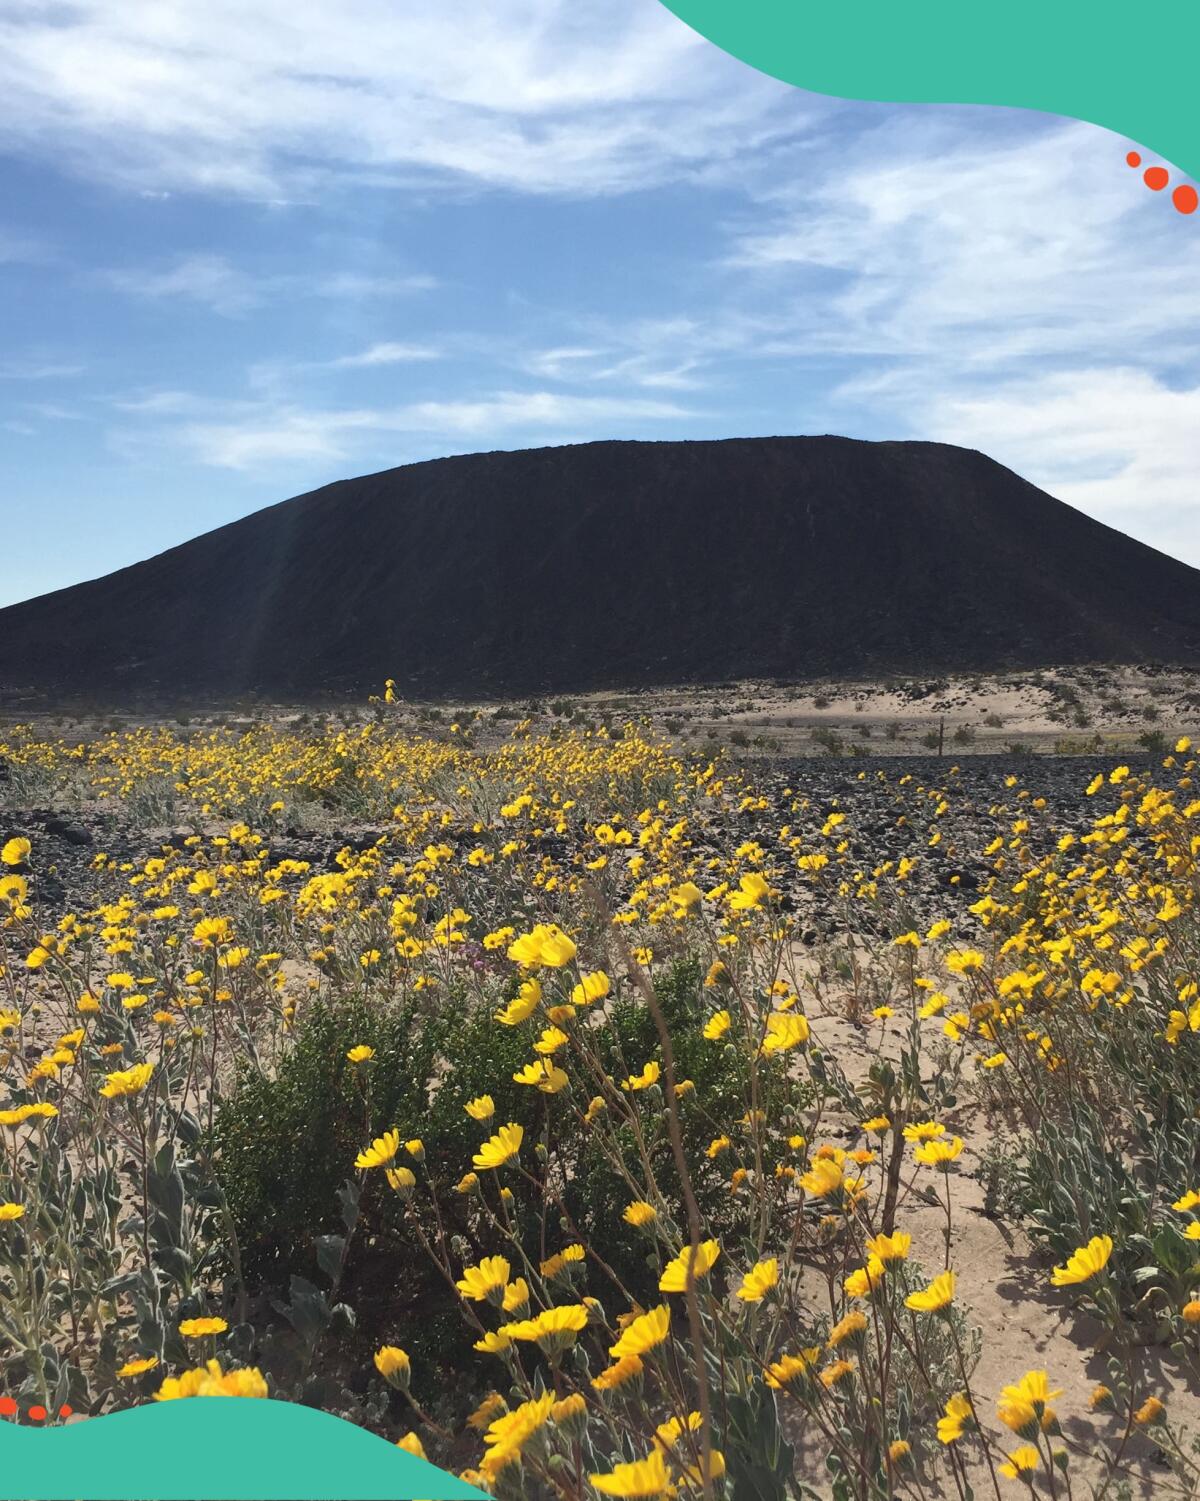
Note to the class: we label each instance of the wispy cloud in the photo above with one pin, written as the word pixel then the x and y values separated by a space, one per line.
pixel 37 370
pixel 157 403
pixel 207 279
pixel 681 353
pixel 382 354
pixel 53 411
pixel 17 248
pixel 1005 290
pixel 251 435
pixel 1117 443
pixel 216 282
pixel 355 285
pixel 277 98
pixel 944 239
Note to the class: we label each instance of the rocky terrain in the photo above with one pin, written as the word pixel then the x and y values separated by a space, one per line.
pixel 945 880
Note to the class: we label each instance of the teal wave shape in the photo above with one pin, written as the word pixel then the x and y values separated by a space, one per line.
pixel 1129 68
pixel 216 1449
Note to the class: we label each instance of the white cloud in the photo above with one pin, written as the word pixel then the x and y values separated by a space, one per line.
pixel 17 248
pixel 566 361
pixel 51 411
pixel 353 284
pixel 681 353
pixel 248 435
pixel 274 98
pixel 938 238
pixel 208 279
pixel 215 282
pixel 38 370
pixel 933 249
pixel 382 354
pixel 1017 291
pixel 1117 444
pixel 271 437
pixel 159 403
pixel 536 409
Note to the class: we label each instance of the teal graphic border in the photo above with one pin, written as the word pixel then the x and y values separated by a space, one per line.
pixel 216 1449
pixel 1130 68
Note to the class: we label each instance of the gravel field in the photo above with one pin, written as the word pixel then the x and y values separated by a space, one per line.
pixel 873 794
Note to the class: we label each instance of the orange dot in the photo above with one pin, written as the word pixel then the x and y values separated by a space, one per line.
pixel 1186 199
pixel 1133 159
pixel 1156 178
pixel 7 1407
pixel 65 1410
pixel 37 1413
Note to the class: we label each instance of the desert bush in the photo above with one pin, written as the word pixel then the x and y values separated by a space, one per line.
pixel 281 1143
pixel 1067 745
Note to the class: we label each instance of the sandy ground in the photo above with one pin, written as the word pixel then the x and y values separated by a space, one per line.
pixel 1004 1290
pixel 1064 709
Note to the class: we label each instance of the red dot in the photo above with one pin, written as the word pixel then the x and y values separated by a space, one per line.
pixel 1156 178
pixel 1186 199
pixel 65 1410
pixel 37 1413
pixel 1133 159
pixel 7 1407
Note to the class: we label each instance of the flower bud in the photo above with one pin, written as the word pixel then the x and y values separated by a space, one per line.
pixel 393 1365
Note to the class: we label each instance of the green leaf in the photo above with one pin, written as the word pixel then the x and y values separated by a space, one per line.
pixel 330 1249
pixel 1173 1251
pixel 307 1310
pixel 349 1197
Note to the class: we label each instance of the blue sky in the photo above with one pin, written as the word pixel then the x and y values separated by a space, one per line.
pixel 249 248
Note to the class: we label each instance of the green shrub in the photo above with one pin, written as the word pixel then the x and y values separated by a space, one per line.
pixel 285 1147
pixel 829 740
